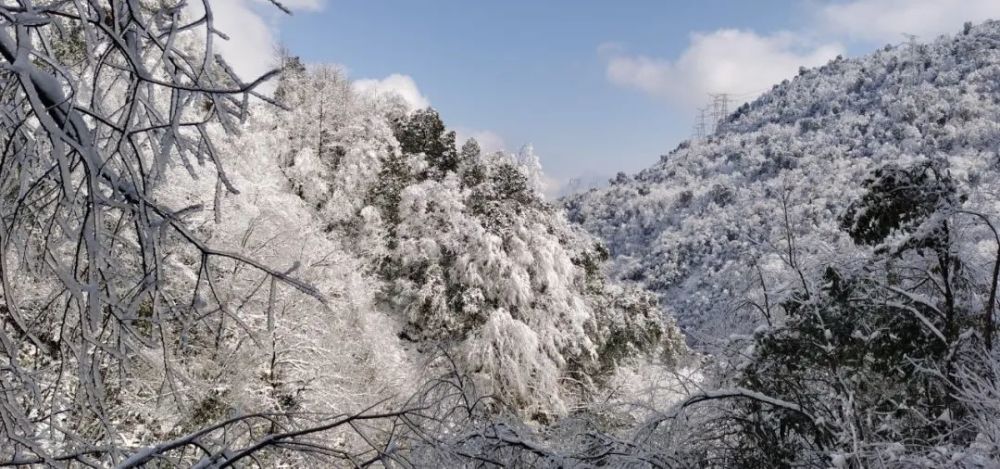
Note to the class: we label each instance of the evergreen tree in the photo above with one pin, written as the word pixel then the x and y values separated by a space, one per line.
pixel 423 132
pixel 871 354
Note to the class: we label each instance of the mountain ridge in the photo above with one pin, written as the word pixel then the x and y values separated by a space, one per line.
pixel 716 217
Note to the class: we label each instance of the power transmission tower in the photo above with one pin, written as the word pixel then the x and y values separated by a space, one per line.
pixel 720 109
pixel 911 41
pixel 701 128
pixel 913 52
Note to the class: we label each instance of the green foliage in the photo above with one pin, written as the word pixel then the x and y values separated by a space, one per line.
pixel 721 195
pixel 71 48
pixel 501 195
pixel 393 177
pixel 855 357
pixel 473 254
pixel 213 407
pixel 898 198
pixel 424 132
pixel 869 354
pixel 470 150
pixel 144 321
pixel 471 167
pixel 291 66
pixel 634 329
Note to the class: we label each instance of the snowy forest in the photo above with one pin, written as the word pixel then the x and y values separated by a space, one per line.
pixel 201 270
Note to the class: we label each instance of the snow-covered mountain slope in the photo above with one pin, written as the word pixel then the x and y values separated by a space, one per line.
pixel 421 247
pixel 758 203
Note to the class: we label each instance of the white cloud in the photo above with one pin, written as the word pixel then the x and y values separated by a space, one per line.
pixel 489 141
pixel 741 63
pixel 889 20
pixel 252 27
pixel 401 85
pixel 251 49
pixel 745 64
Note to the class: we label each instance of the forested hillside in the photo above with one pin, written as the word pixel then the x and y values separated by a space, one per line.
pixel 197 266
pixel 761 201
pixel 198 271
pixel 451 250
pixel 834 246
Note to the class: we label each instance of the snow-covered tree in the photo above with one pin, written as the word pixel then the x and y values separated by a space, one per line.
pixel 471 258
pixel 834 247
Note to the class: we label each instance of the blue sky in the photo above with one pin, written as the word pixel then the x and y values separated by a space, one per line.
pixel 596 86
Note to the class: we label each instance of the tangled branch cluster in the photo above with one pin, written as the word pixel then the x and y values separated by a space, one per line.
pixel 98 98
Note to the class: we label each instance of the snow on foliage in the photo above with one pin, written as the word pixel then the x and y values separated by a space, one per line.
pixel 211 258
pixel 446 249
pixel 834 245
pixel 705 225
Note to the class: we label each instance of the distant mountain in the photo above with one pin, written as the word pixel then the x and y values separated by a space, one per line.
pixel 758 203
